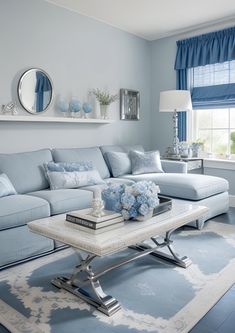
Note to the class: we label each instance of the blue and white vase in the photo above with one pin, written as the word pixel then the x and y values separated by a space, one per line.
pixel 87 108
pixel 75 107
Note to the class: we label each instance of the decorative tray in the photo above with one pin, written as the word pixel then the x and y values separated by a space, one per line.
pixel 165 204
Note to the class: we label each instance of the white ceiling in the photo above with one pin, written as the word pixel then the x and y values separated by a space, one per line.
pixel 153 19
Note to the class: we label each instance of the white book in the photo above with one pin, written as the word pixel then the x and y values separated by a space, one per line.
pixel 95 231
pixel 85 214
pixel 91 224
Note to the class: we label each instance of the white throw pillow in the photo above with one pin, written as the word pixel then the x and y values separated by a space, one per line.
pixel 75 179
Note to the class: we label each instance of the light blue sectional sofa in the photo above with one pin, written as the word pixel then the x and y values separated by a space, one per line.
pixel 34 200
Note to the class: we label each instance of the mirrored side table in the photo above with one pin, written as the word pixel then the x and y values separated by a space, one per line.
pixel 194 164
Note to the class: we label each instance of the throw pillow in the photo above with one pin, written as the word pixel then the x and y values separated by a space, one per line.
pixel 69 167
pixel 6 187
pixel 120 163
pixel 74 179
pixel 145 162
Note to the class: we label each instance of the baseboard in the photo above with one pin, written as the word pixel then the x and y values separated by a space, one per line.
pixel 232 200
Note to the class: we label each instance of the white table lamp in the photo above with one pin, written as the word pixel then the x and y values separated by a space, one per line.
pixel 175 101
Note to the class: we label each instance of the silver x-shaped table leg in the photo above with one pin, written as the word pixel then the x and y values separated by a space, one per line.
pixel 85 284
pixel 172 257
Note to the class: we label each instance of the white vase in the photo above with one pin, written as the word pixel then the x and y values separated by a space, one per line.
pixel 104 110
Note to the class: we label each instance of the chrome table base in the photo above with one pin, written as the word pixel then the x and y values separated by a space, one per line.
pixel 172 257
pixel 104 303
pixel 84 282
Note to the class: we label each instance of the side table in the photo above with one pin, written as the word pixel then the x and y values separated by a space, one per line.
pixel 194 164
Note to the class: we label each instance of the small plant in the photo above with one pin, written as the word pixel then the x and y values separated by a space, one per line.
pixel 104 97
pixel 232 136
pixel 199 142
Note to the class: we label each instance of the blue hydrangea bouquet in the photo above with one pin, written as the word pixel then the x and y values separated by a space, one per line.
pixel 135 201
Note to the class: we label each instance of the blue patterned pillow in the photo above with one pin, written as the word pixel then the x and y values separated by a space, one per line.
pixel 6 187
pixel 145 162
pixel 69 167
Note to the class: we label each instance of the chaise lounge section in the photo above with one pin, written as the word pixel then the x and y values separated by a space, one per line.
pixel 35 200
pixel 176 183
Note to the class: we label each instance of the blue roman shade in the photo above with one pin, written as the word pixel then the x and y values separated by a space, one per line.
pixel 210 97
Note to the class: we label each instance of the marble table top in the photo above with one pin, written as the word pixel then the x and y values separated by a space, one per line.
pixel 132 232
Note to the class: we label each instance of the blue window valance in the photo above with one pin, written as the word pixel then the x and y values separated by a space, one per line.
pixel 211 48
pixel 210 97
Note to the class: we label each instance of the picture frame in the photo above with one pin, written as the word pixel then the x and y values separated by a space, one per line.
pixel 129 104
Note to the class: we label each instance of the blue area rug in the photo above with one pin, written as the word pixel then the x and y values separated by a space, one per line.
pixel 155 296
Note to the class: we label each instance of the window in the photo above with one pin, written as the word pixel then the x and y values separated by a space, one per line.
pixel 211 75
pixel 213 117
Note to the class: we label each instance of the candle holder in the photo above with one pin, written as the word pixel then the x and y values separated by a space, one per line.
pixel 97 207
pixel 97 204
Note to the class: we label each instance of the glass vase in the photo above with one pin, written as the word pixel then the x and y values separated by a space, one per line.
pixel 104 111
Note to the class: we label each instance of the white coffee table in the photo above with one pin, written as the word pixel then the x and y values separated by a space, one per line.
pixel 84 283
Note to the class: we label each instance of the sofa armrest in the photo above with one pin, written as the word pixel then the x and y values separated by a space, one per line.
pixel 174 166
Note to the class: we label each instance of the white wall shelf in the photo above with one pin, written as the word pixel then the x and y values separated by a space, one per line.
pixel 42 119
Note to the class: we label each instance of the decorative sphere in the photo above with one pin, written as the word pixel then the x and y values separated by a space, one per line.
pixel 87 108
pixel 74 105
pixel 63 105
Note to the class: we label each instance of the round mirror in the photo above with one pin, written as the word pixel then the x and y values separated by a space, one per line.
pixel 35 91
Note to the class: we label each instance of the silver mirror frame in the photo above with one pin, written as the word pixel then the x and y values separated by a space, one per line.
pixel 128 110
pixel 19 90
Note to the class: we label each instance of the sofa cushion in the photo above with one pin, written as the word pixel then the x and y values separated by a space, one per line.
pixel 118 149
pixel 83 154
pixel 185 186
pixel 17 210
pixel 65 200
pixel 25 170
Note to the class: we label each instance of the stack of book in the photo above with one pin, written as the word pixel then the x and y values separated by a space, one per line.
pixel 85 221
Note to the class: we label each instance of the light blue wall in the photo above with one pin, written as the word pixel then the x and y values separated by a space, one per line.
pixel 162 78
pixel 79 53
